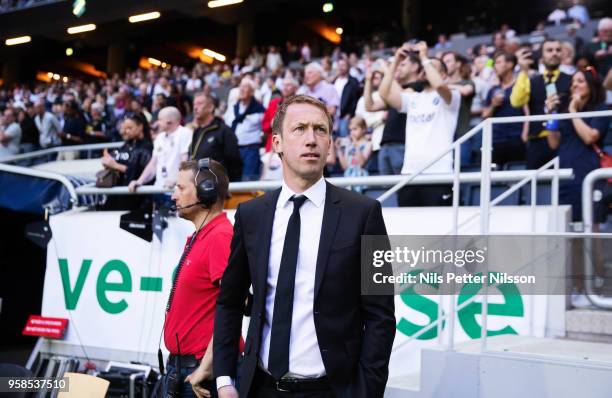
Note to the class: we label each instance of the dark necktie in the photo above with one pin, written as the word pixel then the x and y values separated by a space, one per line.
pixel 278 360
pixel 549 77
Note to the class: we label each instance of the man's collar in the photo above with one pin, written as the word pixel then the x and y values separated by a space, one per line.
pixel 315 194
pixel 555 74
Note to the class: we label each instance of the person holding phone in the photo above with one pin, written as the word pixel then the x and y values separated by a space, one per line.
pixel 542 93
pixel 508 139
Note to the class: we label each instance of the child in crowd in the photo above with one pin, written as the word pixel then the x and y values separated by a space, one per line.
pixel 354 151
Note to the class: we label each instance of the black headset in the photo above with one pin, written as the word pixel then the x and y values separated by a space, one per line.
pixel 206 190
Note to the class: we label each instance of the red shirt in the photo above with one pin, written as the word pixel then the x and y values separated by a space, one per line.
pixel 268 117
pixel 192 313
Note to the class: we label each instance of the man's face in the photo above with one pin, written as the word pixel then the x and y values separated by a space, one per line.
pixel 376 79
pixel 289 88
pixel 451 63
pixel 201 107
pixel 245 91
pixel 501 66
pixel 167 123
pixel 304 142
pixel 342 67
pixel 551 54
pixel 312 76
pixel 499 41
pixel 405 70
pixel 605 33
pixel 8 117
pixel 185 195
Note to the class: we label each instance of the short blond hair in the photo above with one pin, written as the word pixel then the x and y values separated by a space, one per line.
pixel 279 117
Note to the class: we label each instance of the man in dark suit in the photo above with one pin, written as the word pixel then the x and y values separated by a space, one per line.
pixel 312 333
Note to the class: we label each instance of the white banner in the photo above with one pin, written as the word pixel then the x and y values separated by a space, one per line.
pixel 113 288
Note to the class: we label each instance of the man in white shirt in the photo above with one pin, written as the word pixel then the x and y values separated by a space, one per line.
pixel 313 331
pixel 170 148
pixel 48 126
pixel 578 12
pixel 430 124
pixel 245 118
pixel 10 134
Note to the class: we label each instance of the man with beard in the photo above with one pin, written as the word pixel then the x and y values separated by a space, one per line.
pixel 543 93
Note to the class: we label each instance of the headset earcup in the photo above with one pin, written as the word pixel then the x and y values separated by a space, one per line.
pixel 207 192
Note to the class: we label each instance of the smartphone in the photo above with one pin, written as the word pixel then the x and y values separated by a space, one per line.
pixel 551 89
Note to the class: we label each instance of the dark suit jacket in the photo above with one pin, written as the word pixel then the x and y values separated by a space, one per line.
pixel 355 332
pixel 350 96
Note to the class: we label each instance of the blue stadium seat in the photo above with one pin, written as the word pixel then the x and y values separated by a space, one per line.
pixel 542 194
pixel 496 190
pixel 375 193
pixel 515 166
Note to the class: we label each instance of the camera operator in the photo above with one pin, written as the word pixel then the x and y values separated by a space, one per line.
pixel 199 193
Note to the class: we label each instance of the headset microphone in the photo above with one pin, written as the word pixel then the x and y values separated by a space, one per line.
pixel 175 207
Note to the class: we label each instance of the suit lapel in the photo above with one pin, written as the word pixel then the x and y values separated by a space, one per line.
pixel 331 215
pixel 267 218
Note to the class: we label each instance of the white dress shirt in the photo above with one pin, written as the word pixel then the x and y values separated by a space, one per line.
pixel 304 353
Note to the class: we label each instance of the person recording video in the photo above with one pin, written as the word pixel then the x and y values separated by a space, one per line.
pixel 199 193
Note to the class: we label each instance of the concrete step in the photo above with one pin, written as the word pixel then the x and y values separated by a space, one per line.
pixel 512 366
pixel 589 325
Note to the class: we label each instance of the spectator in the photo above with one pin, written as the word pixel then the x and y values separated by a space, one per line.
pixel 534 93
pixel 131 159
pixel 443 43
pixel 98 129
pixel 458 79
pixel 73 132
pixel 508 139
pixel 499 42
pixel 375 121
pixel 507 31
pixel 194 83
pixel 578 12
pixel 305 53
pixel 29 131
pixel 289 88
pixel 170 148
pixel 430 124
pixel 579 138
pixel 600 50
pixel 557 15
pixel 354 153
pixel 212 138
pixel 255 59
pixel 48 126
pixel 576 41
pixel 274 62
pixel 315 86
pixel 567 58
pixel 245 119
pixel 392 144
pixel 10 134
pixel 349 92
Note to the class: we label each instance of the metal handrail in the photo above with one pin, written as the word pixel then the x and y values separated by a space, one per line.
pixel 485 189
pixel 58 149
pixel 43 174
pixel 587 219
pixel 383 181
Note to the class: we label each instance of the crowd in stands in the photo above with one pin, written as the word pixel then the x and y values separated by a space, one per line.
pixel 394 109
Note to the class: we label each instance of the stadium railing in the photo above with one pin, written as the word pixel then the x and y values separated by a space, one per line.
pixel 587 219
